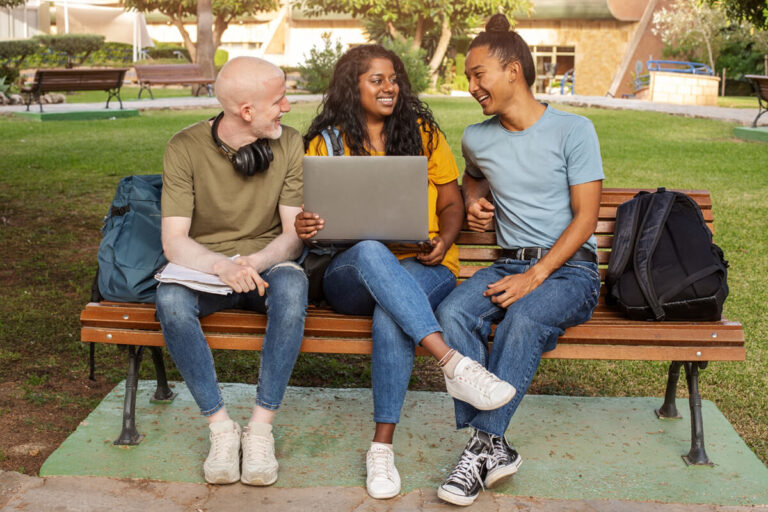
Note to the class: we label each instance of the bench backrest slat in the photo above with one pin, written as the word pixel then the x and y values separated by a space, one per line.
pixel 169 72
pixel 476 250
pixel 47 80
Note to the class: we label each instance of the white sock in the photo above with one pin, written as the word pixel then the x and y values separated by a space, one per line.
pixel 450 365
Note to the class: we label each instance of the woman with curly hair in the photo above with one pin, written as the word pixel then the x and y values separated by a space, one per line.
pixel 370 103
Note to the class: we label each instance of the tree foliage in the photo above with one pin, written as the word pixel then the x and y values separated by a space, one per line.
pixel 77 47
pixel 317 69
pixel 421 20
pixel 224 12
pixel 691 27
pixel 754 11
pixel 11 3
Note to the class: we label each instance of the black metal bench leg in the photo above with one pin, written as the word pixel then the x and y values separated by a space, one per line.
pixel 163 393
pixel 129 435
pixel 697 455
pixel 668 410
pixel 92 362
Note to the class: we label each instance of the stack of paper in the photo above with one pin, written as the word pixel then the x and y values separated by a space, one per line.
pixel 194 279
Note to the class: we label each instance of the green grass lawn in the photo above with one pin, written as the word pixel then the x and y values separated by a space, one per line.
pixel 131 93
pixel 737 101
pixel 57 180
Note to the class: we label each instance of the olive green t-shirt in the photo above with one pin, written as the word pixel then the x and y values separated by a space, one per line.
pixel 231 213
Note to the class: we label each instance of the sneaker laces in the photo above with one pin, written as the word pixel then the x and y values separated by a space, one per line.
pixel 221 449
pixel 257 447
pixel 498 453
pixel 476 373
pixel 381 462
pixel 468 467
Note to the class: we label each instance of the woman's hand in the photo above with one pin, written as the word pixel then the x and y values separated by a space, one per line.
pixel 434 252
pixel 307 224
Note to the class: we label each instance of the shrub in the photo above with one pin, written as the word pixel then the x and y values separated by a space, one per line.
pixel 220 57
pixel 168 51
pixel 112 54
pixel 460 82
pixel 12 56
pixel 76 47
pixel 414 61
pixel 13 53
pixel 316 71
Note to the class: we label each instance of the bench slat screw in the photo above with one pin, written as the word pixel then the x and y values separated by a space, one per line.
pixel 714 335
pixel 125 317
pixel 698 354
pixel 109 336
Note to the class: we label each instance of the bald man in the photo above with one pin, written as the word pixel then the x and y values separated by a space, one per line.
pixel 232 186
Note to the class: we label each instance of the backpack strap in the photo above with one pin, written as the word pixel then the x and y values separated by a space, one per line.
pixel 627 217
pixel 685 283
pixel 648 239
pixel 334 145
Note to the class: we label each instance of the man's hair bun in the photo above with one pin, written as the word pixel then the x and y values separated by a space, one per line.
pixel 497 23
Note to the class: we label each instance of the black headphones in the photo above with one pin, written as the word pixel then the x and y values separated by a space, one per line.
pixel 248 160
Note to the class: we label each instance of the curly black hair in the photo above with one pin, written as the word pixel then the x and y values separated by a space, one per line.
pixel 341 107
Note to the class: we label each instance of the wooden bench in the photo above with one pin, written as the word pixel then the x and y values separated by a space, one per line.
pixel 170 74
pixel 62 80
pixel 760 86
pixel 608 335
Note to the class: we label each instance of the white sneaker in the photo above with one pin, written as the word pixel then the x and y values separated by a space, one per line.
pixel 477 386
pixel 383 480
pixel 222 466
pixel 259 463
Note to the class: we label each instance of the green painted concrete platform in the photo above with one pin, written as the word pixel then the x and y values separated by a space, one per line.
pixel 573 448
pixel 748 133
pixel 79 115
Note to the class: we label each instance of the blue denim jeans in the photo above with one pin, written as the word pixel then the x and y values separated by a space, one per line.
pixel 402 295
pixel 179 310
pixel 526 329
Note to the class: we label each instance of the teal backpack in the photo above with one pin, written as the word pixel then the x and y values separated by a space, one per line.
pixel 131 250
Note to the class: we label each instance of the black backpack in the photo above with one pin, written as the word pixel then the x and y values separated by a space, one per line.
pixel 664 265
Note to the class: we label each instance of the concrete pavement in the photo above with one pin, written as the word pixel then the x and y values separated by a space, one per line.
pixel 743 116
pixel 91 494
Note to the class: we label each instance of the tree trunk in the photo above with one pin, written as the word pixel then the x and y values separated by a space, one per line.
pixel 393 32
pixel 442 47
pixel 188 43
pixel 205 38
pixel 418 37
pixel 220 25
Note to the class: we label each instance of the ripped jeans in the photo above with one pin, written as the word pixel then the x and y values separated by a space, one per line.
pixel 179 310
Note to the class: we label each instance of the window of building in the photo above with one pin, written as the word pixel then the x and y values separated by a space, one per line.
pixel 552 62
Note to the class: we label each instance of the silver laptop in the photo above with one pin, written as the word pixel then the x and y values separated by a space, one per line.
pixel 368 197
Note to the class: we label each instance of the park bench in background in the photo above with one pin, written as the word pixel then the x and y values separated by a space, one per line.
pixel 62 80
pixel 172 74
pixel 760 86
pixel 608 335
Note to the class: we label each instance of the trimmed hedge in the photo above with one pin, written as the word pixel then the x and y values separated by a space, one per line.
pixel 76 47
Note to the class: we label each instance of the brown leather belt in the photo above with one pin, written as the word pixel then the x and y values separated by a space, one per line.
pixel 528 253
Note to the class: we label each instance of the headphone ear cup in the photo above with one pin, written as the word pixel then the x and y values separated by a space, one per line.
pixel 244 161
pixel 262 155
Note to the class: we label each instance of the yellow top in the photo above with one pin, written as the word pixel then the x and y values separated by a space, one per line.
pixel 441 168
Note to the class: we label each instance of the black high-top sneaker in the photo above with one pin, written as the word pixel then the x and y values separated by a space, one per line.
pixel 465 481
pixel 503 461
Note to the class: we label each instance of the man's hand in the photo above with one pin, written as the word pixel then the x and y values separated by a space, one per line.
pixel 307 224
pixel 480 215
pixel 433 253
pixel 240 275
pixel 508 289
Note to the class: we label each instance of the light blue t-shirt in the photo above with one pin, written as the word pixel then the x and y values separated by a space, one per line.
pixel 530 173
